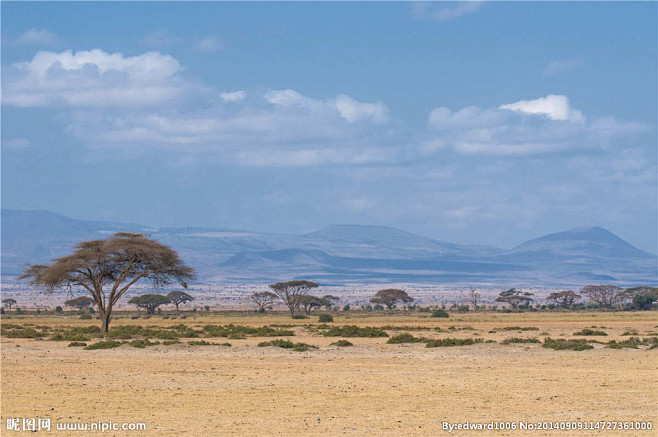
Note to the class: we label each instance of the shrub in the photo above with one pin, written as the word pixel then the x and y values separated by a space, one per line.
pixel 354 331
pixel 85 317
pixel 562 344
pixel 59 310
pixel 405 338
pixel 325 318
pixel 170 342
pixel 446 342
pixel 77 343
pixel 588 331
pixel 286 344
pixel 108 344
pixel 342 343
pixel 517 328
pixel 440 314
pixel 20 332
pixel 142 343
pixel 633 343
pixel 199 343
pixel 225 344
pixel 520 340
pixel 299 316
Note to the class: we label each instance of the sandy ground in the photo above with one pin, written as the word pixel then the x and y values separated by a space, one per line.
pixel 371 389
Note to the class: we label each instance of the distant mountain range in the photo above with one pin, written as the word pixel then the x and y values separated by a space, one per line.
pixel 349 254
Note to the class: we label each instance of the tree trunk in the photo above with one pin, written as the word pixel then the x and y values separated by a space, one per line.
pixel 292 311
pixel 176 306
pixel 105 322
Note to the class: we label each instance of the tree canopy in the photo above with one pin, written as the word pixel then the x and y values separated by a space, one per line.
pixel 150 302
pixel 605 295
pixel 108 268
pixel 291 291
pixel 390 297
pixel 563 298
pixel 179 297
pixel 515 297
pixel 262 299
pixel 80 302
pixel 9 302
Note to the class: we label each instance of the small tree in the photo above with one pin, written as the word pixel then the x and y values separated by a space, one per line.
pixel 514 297
pixel 563 298
pixel 308 302
pixel 150 302
pixel 108 268
pixel 80 303
pixel 390 297
pixel 179 297
pixel 9 302
pixel 605 295
pixel 474 298
pixel 262 300
pixel 290 292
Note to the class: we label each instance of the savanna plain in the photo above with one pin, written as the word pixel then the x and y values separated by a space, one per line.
pixel 179 376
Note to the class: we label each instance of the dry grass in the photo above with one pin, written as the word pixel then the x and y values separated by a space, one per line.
pixel 372 388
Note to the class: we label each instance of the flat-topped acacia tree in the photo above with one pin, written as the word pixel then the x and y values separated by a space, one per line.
pixel 108 268
pixel 290 292
pixel 390 297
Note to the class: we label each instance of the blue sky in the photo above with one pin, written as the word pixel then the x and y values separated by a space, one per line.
pixel 467 122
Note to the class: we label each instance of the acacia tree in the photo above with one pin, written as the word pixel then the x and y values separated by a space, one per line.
pixel 262 299
pixel 150 302
pixel 390 297
pixel 80 303
pixel 514 297
pixel 474 297
pixel 108 268
pixel 9 302
pixel 309 302
pixel 179 297
pixel 291 291
pixel 606 295
pixel 563 298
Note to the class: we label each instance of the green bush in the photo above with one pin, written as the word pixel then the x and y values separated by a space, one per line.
pixel 563 344
pixel 447 342
pixel 405 338
pixel 440 314
pixel 299 316
pixel 633 343
pixel 199 343
pixel 519 340
pixel 588 331
pixel 170 342
pixel 143 343
pixel 21 332
pixel 108 344
pixel 86 317
pixel 354 331
pixel 342 343
pixel 286 344
pixel 517 328
pixel 77 343
pixel 59 310
pixel 325 318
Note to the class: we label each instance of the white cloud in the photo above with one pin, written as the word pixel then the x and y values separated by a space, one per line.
pixel 36 37
pixel 552 106
pixel 93 78
pixel 444 11
pixel 210 45
pixel 352 110
pixel 555 68
pixel 234 96
pixel 523 128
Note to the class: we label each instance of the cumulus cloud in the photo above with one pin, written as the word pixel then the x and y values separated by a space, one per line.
pixel 352 110
pixel 234 96
pixel 93 78
pixel 36 37
pixel 543 125
pixel 444 11
pixel 552 106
